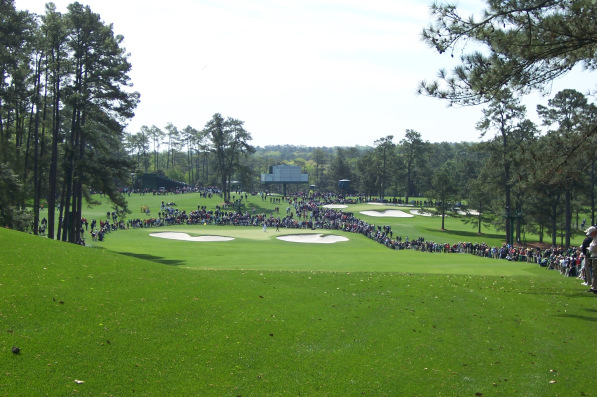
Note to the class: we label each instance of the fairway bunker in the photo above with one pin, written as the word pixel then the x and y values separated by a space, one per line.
pixel 388 213
pixel 313 238
pixel 186 237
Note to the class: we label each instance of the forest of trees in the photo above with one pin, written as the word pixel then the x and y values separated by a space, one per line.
pixel 65 98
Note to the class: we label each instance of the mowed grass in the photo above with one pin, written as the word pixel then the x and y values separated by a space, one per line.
pixel 257 316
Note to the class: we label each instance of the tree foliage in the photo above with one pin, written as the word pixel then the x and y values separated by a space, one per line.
pixel 64 100
pixel 519 44
pixel 229 144
pixel 385 150
pixel 443 190
pixel 11 215
pixel 412 150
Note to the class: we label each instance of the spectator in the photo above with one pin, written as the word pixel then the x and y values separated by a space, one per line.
pixel 592 257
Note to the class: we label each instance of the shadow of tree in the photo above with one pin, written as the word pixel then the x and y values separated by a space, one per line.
pixel 153 258
pixel 579 317
pixel 257 208
pixel 472 236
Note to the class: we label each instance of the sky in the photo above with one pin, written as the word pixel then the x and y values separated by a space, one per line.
pixel 308 72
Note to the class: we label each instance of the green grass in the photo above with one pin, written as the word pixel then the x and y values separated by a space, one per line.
pixel 256 316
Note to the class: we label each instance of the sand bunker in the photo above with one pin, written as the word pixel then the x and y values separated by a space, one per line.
pixel 418 212
pixel 186 237
pixel 424 213
pixel 335 206
pixel 313 238
pixel 471 212
pixel 388 213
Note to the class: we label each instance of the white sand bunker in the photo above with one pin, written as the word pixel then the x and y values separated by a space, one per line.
pixel 470 212
pixel 335 206
pixel 421 213
pixel 313 238
pixel 186 237
pixel 388 213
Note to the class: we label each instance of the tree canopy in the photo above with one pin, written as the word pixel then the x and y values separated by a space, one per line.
pixel 230 143
pixel 519 44
pixel 65 97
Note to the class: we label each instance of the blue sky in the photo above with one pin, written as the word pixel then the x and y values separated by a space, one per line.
pixel 310 72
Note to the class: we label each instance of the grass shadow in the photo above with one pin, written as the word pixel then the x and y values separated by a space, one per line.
pixel 579 317
pixel 156 259
pixel 261 209
pixel 566 294
pixel 470 235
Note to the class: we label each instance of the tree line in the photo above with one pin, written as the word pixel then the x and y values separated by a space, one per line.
pixel 506 50
pixel 64 98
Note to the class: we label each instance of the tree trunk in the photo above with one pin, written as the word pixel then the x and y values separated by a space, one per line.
pixel 69 174
pixel 36 165
pixel 554 215
pixel 568 221
pixel 61 213
pixel 541 228
pixel 53 177
pixel 78 189
pixel 3 141
pixel 407 190
pixel 592 184
pixel 507 188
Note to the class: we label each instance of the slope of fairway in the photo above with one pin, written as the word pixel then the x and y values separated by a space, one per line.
pixel 92 322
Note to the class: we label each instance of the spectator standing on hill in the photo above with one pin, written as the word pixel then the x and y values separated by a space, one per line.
pixel 586 267
pixel 591 258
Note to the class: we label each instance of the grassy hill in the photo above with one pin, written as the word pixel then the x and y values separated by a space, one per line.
pixel 250 320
